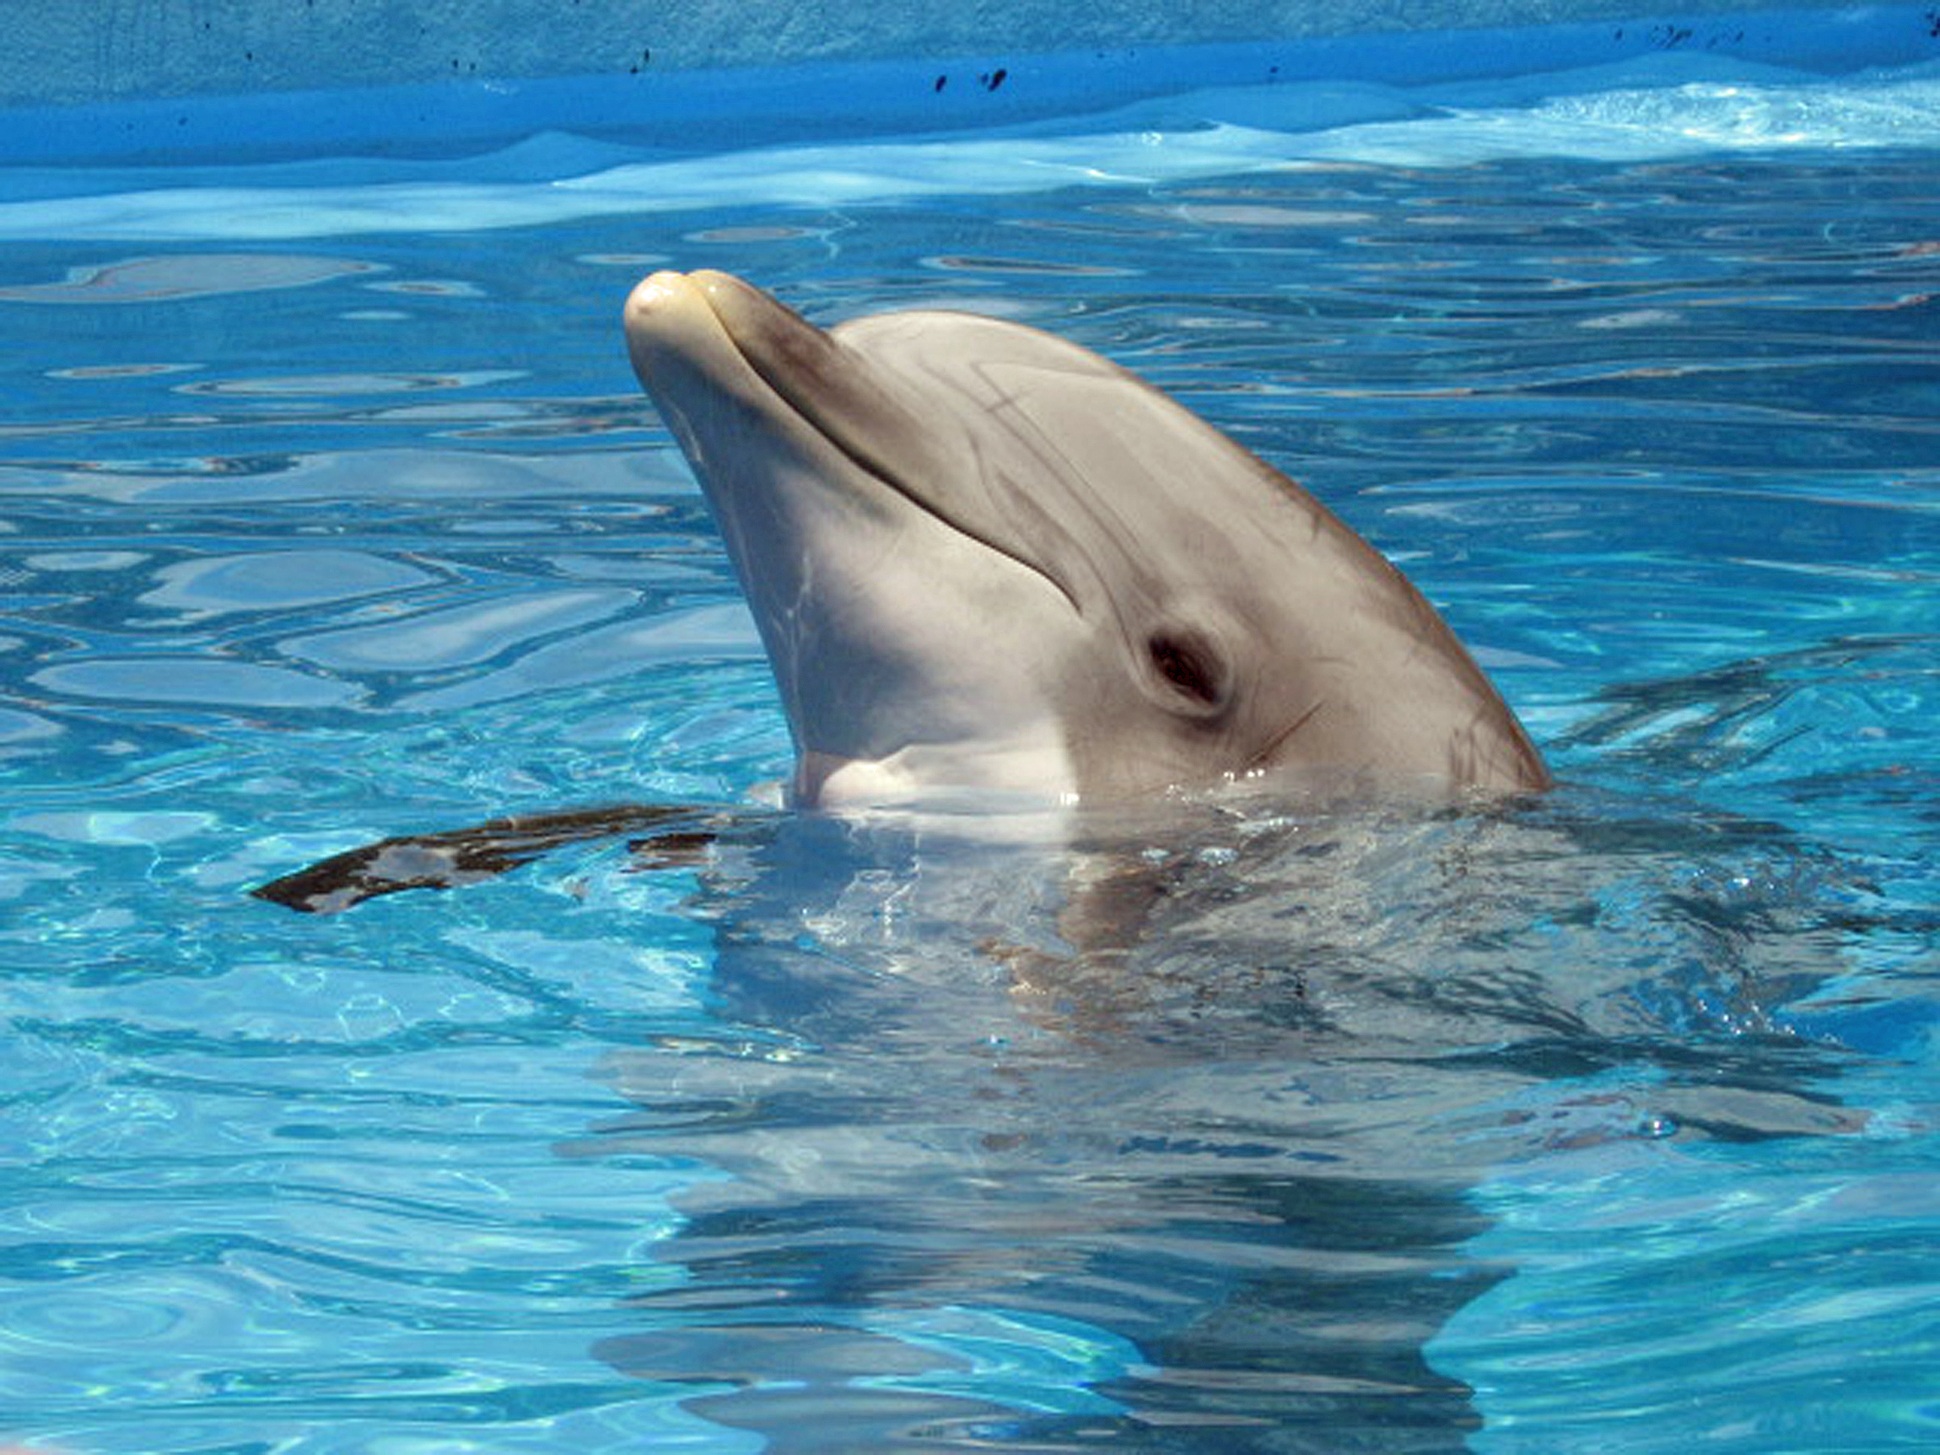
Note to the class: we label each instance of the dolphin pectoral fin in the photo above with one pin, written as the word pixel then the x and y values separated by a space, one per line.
pixel 455 857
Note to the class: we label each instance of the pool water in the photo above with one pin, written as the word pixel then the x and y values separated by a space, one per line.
pixel 329 511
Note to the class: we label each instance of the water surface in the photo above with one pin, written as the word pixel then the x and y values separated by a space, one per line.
pixel 328 511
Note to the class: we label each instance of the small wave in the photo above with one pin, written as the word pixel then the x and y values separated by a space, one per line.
pixel 1666 107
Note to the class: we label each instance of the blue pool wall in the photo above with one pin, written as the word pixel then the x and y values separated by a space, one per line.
pixel 161 77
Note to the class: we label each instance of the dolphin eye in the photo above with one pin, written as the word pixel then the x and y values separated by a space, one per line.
pixel 1188 664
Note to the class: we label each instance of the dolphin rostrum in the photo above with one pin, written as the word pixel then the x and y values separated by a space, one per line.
pixel 985 559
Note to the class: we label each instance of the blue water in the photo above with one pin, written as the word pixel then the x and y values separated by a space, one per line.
pixel 328 511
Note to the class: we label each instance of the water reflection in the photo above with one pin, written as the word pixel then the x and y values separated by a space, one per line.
pixel 170 277
pixel 1168 1142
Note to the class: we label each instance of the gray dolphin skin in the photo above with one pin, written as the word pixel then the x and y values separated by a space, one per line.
pixel 984 559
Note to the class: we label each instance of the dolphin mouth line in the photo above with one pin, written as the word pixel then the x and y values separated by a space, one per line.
pixel 787 390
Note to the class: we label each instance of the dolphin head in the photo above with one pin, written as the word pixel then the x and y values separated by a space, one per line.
pixel 984 558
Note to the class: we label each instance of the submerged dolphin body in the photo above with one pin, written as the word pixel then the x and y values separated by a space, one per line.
pixel 985 559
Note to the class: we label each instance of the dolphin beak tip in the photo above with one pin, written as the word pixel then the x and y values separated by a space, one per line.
pixel 653 296
pixel 669 318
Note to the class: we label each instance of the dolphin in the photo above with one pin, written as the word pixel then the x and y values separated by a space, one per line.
pixel 992 567
pixel 984 560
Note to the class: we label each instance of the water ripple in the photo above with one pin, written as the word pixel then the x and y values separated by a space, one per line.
pixel 1280 1128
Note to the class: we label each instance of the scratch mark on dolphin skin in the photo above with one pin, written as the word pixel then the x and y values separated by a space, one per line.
pixel 1265 756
